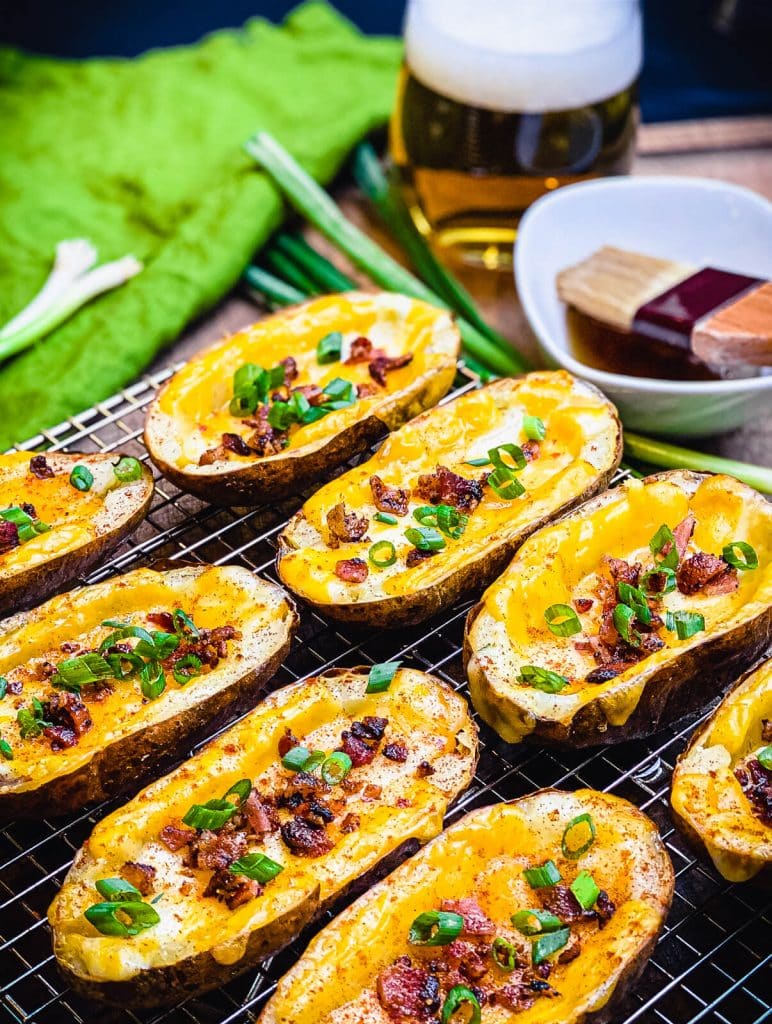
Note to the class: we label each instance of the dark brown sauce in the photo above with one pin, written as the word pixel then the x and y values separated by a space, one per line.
pixel 605 348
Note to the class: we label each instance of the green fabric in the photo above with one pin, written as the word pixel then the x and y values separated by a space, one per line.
pixel 145 156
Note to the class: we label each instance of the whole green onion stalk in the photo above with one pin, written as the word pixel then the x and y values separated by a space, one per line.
pixel 71 284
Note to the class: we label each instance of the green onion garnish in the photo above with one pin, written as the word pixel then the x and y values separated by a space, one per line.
pixel 295 759
pixel 336 768
pixel 252 385
pixel 425 538
pixel 496 459
pixel 749 559
pixel 504 484
pixel 187 668
pixel 447 518
pixel 764 757
pixel 211 815
pixel 540 877
pixel 623 617
pixel 315 758
pixel 380 677
pixel 549 944
pixel 533 428
pixel 562 620
pixel 484 461
pixel 635 599
pixel 152 681
pixel 329 348
pixel 76 672
pixel 435 928
pixel 6 750
pixel 256 866
pixel 661 539
pixel 658 581
pixel 578 836
pixel 3 687
pixel 382 554
pixel 585 889
pixel 104 917
pixel 81 478
pixel 384 517
pixel 685 624
pixel 534 922
pixel 26 527
pixel 118 890
pixel 542 678
pixel 241 789
pixel 504 954
pixel 457 996
pixel 184 625
pixel 32 722
pixel 127 469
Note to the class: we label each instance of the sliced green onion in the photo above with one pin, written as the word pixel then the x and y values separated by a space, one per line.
pixel 329 348
pixel 585 889
pixel 164 644
pixel 116 662
pixel 3 687
pixel 315 758
pixel 187 668
pixel 455 999
pixel 450 521
pixel 578 837
pixel 256 866
pixel 127 633
pixel 32 722
pixel 546 874
pixel 73 673
pixel 764 757
pixel 435 928
pixel 27 528
pixel 635 599
pixel 241 789
pixel 504 954
pixel 426 515
pixel 336 768
pixel 81 478
pixel 542 678
pixel 534 922
pixel 127 469
pixel 562 620
pixel 425 538
pixel 545 946
pixel 118 890
pixel 384 517
pixel 6 750
pixel 685 624
pixel 496 459
pixel 661 539
pixel 152 680
pixel 295 759
pixel 382 554
pixel 482 461
pixel 650 581
pixel 623 617
pixel 184 625
pixel 749 559
pixel 381 675
pixel 211 815
pixel 533 428
pixel 504 484
pixel 104 917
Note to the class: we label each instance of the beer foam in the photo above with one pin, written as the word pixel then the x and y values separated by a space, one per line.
pixel 525 56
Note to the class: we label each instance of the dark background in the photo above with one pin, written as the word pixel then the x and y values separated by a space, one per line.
pixel 692 69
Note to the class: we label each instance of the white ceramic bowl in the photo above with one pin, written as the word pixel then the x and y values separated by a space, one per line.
pixel 693 220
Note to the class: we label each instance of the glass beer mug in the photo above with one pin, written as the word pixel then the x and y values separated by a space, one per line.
pixel 500 101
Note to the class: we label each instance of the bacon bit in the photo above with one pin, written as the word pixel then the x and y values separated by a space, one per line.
pixel 604 673
pixel 306 838
pixel 583 604
pixel 70 719
pixel 176 835
pixel 756 782
pixel 233 890
pixel 444 487
pixel 415 557
pixel 39 467
pixel 312 393
pixel 96 693
pixel 726 583
pixel 424 770
pixel 345 527
pixel 683 534
pixel 349 824
pixel 141 876
pixel 212 455
pixel 370 728
pixel 261 816
pixel 387 498
pixel 572 950
pixel 352 570
pixel 396 752
pixel 561 902
pixel 698 570
pixel 371 792
pixel 210 647
pixel 214 851
pixel 9 536
pixel 265 440
pixel 164 621
pixel 521 994
pixel 290 369
pixel 622 571
pixel 381 365
pixel 236 444
pixel 287 742
pixel 604 908
pixel 29 509
pixel 356 748
pixel 476 921
pixel 408 992
pixel 366 390
pixel 531 450
pixel 766 730
pixel 15 686
pixel 361 351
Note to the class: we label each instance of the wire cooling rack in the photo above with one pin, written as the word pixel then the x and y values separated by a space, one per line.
pixel 713 961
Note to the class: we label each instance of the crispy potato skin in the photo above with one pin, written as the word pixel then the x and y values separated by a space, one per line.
pixel 670 690
pixel 39 582
pixel 475 842
pixel 469 577
pixel 167 984
pixel 287 474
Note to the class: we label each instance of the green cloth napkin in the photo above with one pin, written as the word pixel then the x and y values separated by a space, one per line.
pixel 145 156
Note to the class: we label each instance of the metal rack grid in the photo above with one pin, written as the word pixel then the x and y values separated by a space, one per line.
pixel 712 964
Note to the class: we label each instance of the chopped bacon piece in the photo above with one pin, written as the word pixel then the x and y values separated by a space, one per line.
pixel 415 557
pixel 424 770
pixel 476 921
pixel 381 365
pixel 371 792
pixel 697 570
pixel 387 498
pixel 212 455
pixel 287 742
pixel 604 673
pixel 444 487
pixel 651 643
pixel 216 850
pixel 622 571
pixel 141 876
pixel 683 534
pixel 70 719
pixel 163 620
pixel 725 583
pixel 352 570
pixel 306 838
pixel 396 752
pixel 266 440
pixel 370 728
pixel 466 959
pixel 366 390
pixel 210 646
pixel 604 907
pixel 350 823
pixel 756 782
pixel 290 369
pixel 29 509
pixel 561 902
pixel 571 950
pixel 344 526
pixel 15 687
pixel 176 836
pixel 521 994
pixel 233 890
pixel 261 817
pixel 236 444
pixel 583 604
pixel 407 992
pixel 9 536
pixel 361 351
pixel 357 749
pixel 312 393
pixel 39 467
pixel 531 450
pixel 766 730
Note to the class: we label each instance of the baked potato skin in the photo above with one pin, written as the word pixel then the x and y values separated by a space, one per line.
pixel 281 476
pixel 37 583
pixel 469 577
pixel 670 691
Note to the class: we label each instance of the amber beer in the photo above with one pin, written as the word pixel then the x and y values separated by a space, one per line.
pixel 500 101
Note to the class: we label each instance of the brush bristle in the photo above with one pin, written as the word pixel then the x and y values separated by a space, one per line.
pixel 612 284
